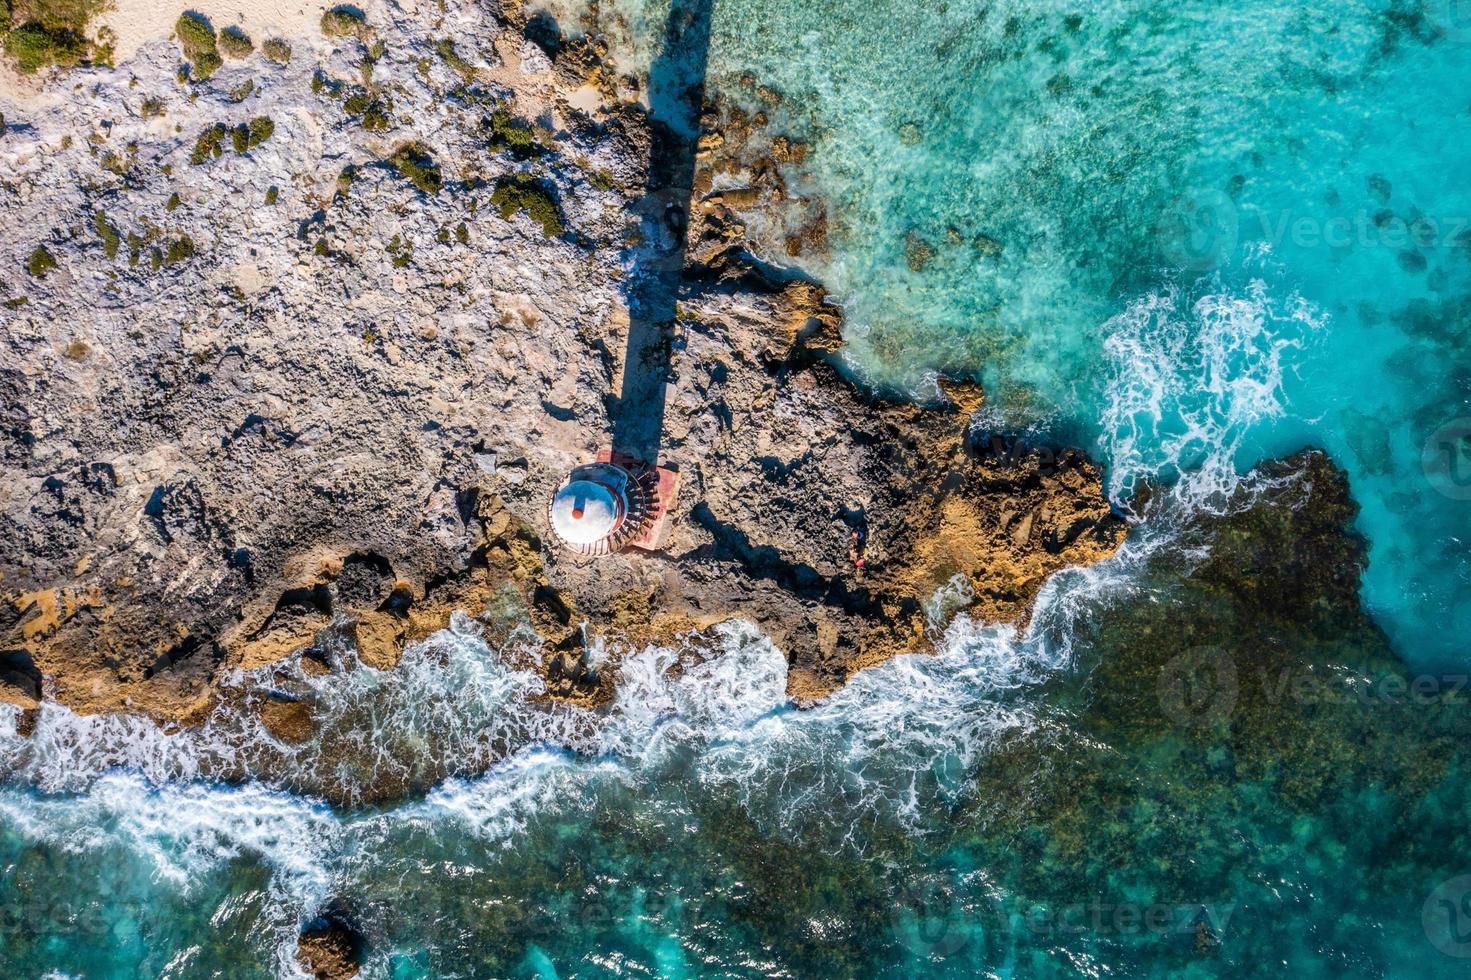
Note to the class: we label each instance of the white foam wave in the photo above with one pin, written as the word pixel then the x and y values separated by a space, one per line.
pixel 186 830
pixel 67 751
pixel 179 834
pixel 1192 374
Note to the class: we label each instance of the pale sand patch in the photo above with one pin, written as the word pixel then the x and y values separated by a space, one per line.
pixel 136 22
pixel 587 98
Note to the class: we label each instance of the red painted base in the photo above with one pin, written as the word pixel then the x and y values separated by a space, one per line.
pixel 665 490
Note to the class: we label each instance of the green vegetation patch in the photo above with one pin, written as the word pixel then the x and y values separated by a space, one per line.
pixel 247 136
pixel 235 43
pixel 48 32
pixel 276 50
pixel 414 164
pixel 179 250
pixel 111 240
pixel 242 91
pixel 343 22
pixel 33 47
pixel 521 193
pixel 402 252
pixel 372 108
pixel 210 145
pixel 243 138
pixel 40 262
pixel 510 135
pixel 200 45
pixel 445 48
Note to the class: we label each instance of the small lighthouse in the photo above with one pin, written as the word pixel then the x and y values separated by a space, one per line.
pixel 611 504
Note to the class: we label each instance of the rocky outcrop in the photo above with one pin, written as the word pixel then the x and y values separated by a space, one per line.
pixel 1262 692
pixel 330 948
pixel 783 460
pixel 342 407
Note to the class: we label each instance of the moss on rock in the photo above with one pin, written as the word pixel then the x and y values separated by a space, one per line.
pixel 536 198
pixel 243 137
pixel 40 262
pixel 235 43
pixel 179 250
pixel 445 48
pixel 210 144
pixel 372 108
pixel 247 136
pixel 413 163
pixel 343 21
pixel 510 135
pixel 111 240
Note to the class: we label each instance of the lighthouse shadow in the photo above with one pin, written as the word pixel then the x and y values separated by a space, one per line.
pixel 676 92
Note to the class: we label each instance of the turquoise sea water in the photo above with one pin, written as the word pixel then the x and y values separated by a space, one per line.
pixel 1185 185
pixel 1226 233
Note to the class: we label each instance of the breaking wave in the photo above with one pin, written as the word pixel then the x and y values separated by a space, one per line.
pixel 1192 375
pixel 462 724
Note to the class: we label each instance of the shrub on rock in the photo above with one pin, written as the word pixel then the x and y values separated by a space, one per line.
pixel 512 136
pixel 235 43
pixel 521 193
pixel 343 22
pixel 40 262
pixel 200 45
pixel 415 165
pixel 35 46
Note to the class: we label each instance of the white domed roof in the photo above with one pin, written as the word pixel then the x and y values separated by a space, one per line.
pixel 584 512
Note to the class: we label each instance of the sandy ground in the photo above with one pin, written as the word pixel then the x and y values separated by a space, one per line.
pixel 136 22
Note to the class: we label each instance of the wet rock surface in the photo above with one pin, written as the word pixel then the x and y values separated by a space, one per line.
pixel 330 948
pixel 1264 695
pixel 342 407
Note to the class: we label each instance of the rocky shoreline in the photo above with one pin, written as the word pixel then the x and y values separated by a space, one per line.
pixel 324 380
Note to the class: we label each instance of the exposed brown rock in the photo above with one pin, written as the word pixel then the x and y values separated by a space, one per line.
pixel 231 489
pixel 787 458
pixel 290 721
pixel 330 951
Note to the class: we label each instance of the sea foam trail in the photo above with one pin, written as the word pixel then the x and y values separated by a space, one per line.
pixel 1190 375
pixel 706 716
